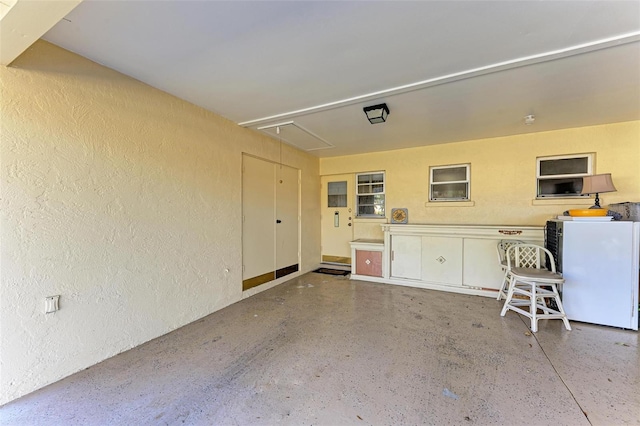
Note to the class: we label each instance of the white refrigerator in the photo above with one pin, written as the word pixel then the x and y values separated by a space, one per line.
pixel 600 263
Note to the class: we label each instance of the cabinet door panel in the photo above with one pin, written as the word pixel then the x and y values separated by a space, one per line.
pixel 442 260
pixel 481 266
pixel 406 255
pixel 369 263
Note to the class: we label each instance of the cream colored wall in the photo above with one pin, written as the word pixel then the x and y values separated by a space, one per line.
pixel 125 201
pixel 503 175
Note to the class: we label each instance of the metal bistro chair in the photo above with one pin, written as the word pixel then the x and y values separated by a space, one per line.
pixel 529 280
pixel 501 249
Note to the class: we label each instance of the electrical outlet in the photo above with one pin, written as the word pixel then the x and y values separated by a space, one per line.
pixel 51 304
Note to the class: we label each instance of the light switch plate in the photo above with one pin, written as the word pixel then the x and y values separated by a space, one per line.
pixel 51 304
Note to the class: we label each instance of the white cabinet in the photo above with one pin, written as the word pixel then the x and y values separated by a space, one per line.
pixel 458 258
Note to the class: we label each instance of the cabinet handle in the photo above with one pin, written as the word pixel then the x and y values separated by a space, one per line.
pixel 278 221
pixel 506 232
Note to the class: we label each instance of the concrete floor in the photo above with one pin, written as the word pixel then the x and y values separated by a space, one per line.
pixel 323 350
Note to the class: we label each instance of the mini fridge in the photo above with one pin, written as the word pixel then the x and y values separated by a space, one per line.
pixel 600 262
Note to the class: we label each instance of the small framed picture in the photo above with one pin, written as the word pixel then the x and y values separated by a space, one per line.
pixel 399 216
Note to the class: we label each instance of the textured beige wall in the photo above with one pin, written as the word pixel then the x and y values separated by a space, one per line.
pixel 125 201
pixel 503 175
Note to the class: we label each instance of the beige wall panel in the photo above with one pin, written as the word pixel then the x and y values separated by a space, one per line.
pixel 503 174
pixel 124 200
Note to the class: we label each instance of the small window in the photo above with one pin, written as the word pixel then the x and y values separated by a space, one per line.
pixel 449 183
pixel 370 194
pixel 337 194
pixel 561 176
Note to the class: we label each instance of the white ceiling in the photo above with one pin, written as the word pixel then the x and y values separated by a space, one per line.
pixel 448 71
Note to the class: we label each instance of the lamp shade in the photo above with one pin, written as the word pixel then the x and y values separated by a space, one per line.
pixel 597 184
pixel 377 113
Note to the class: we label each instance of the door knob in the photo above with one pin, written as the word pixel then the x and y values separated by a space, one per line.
pixel 278 221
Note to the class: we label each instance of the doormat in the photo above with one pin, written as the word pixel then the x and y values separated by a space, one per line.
pixel 330 271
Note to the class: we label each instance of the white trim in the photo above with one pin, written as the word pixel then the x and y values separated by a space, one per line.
pixel 358 195
pixel 450 203
pixel 590 156
pixel 466 166
pixel 441 287
pixel 301 128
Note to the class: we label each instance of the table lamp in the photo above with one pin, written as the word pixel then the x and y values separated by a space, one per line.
pixel 596 184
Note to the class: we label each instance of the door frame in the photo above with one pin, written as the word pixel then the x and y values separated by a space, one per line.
pixel 341 256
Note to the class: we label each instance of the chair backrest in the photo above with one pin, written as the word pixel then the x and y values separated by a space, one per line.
pixel 529 256
pixel 502 248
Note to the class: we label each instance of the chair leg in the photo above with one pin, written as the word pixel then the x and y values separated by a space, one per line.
pixel 505 307
pixel 504 286
pixel 543 301
pixel 556 296
pixel 533 310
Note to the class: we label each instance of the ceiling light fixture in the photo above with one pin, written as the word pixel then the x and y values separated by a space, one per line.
pixel 377 113
pixel 529 119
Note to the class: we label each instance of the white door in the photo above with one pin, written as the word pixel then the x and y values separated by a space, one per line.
pixel 337 218
pixel 270 227
pixel 287 220
pixel 258 215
